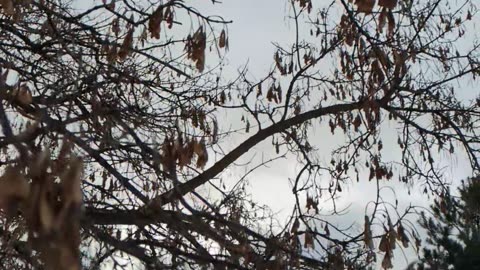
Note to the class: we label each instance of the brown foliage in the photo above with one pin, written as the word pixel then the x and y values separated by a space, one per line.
pixel 155 172
pixel 50 209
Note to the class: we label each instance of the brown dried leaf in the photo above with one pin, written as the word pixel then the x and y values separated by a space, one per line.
pixel 186 155
pixel 111 6
pixel 382 19
pixel 126 45
pixel 357 122
pixel 392 235
pixel 278 64
pixel 279 94
pixel 195 47
pixel 155 22
pixel 112 54
pixel 65 151
pixel 259 89
pixel 222 39
pixel 377 71
pixel 298 109
pixel 295 226
pixel 387 261
pixel 270 94
pixel 365 6
pixel 384 245
pixel 167 157
pixel 39 167
pixel 391 4
pixel 71 182
pixel 349 38
pixel 202 154
pixel 13 188
pixel 402 236
pixel 332 126
pixel 116 26
pixel 391 23
pixel 382 57
pixel 309 242
pixel 24 95
pixel 8 7
pixel 214 131
pixel 45 212
pixel 168 16
pixel 368 234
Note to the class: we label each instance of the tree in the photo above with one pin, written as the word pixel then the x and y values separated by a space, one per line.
pixel 454 230
pixel 113 140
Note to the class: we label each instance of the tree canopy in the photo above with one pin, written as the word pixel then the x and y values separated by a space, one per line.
pixel 117 119
pixel 454 230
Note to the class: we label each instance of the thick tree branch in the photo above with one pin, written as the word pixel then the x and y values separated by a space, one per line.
pixel 187 187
